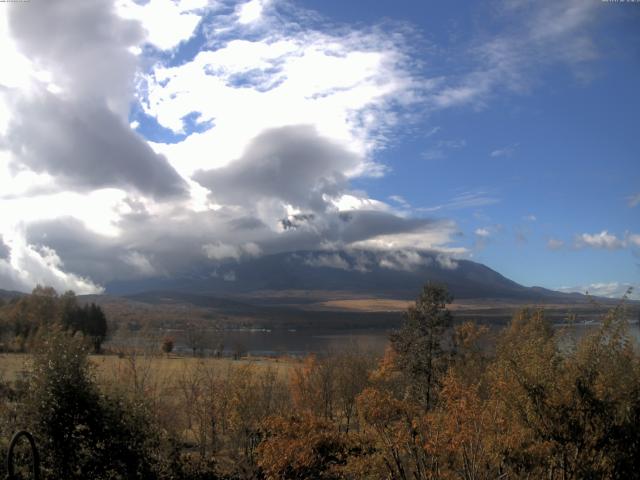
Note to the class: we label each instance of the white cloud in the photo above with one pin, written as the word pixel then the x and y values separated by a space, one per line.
pixel 482 232
pixel 447 262
pixel 251 11
pixel 507 151
pixel 97 210
pixel 604 289
pixel 28 266
pixel 453 96
pixel 603 240
pixel 365 260
pixel 442 148
pixel 349 201
pixel 434 237
pixel 140 262
pixel 433 131
pixel 221 251
pixel 633 239
pixel 327 260
pixel 400 200
pixel 345 87
pixel 166 22
pixel 606 240
pixel 469 199
pixel 634 200
pixel 403 260
pixel 535 35
pixel 22 71
pixel 555 244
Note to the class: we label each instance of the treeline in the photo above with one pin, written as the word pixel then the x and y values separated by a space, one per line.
pixel 24 319
pixel 443 402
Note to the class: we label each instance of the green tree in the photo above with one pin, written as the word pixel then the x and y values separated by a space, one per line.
pixel 81 432
pixel 167 345
pixel 96 326
pixel 89 319
pixel 418 343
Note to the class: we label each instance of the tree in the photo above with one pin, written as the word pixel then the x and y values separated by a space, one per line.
pixel 301 447
pixel 396 441
pixel 194 338
pixel 97 326
pixel 29 313
pixel 351 378
pixel 82 433
pixel 89 319
pixel 167 345
pixel 418 344
pixel 573 411
pixel 313 385
pixel 45 304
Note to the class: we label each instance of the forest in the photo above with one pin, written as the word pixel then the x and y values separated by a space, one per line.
pixel 447 400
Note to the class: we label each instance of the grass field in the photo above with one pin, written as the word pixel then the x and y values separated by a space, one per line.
pixel 366 305
pixel 113 367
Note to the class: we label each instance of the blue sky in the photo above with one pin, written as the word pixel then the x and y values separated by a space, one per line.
pixel 566 151
pixel 501 131
pixel 557 160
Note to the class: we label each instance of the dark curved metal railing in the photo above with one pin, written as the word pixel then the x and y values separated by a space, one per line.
pixel 35 459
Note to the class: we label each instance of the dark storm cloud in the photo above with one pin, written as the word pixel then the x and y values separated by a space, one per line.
pixel 166 245
pixel 81 135
pixel 157 247
pixel 149 245
pixel 246 223
pixel 82 251
pixel 341 229
pixel 87 146
pixel 292 164
pixel 364 224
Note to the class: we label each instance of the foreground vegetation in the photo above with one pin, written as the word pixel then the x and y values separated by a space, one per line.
pixel 442 403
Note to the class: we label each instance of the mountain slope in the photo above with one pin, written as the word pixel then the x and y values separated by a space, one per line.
pixel 7 295
pixel 381 274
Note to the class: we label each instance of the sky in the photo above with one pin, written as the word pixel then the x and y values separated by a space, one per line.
pixel 139 139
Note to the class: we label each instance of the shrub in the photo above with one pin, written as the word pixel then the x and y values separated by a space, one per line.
pixel 81 432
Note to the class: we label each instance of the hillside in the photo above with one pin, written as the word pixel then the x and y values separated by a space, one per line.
pixel 359 272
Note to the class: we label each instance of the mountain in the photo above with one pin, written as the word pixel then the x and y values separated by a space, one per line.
pixel 9 294
pixel 393 275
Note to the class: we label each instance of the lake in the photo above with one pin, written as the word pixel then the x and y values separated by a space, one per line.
pixel 300 342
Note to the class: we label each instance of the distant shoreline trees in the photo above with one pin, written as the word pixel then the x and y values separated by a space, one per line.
pixel 32 316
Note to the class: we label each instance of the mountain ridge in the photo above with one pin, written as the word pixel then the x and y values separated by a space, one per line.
pixel 383 274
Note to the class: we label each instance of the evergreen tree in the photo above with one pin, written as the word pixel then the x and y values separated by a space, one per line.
pixel 96 326
pixel 418 344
